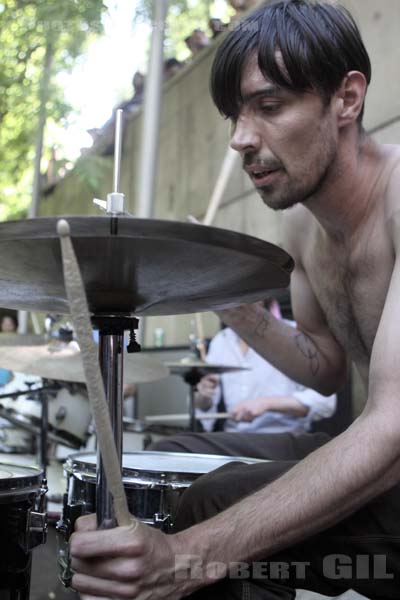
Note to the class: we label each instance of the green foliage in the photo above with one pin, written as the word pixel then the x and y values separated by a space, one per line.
pixel 91 170
pixel 183 17
pixel 27 28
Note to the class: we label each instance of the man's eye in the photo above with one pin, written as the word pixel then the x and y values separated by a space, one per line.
pixel 268 108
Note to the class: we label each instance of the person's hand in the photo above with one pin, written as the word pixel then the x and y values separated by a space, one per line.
pixel 203 397
pixel 207 386
pixel 249 410
pixel 126 563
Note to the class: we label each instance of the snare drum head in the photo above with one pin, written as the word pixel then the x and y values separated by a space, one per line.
pixel 156 466
pixel 18 480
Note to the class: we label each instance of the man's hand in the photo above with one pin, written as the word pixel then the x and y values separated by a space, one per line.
pixel 205 391
pixel 249 410
pixel 125 563
pixel 207 386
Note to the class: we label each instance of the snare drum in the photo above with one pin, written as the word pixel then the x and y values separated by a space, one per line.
pixel 22 527
pixel 153 483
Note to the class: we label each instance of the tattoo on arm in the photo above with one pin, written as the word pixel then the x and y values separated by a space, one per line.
pixel 262 325
pixel 308 349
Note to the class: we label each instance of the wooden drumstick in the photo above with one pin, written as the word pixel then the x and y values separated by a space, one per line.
pixel 95 386
pixel 225 173
pixel 229 162
pixel 185 417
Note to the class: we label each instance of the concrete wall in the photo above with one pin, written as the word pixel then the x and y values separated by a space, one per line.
pixel 194 138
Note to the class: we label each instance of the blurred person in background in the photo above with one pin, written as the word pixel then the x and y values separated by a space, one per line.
pixel 260 399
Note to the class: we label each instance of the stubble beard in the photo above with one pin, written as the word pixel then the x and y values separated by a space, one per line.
pixel 294 192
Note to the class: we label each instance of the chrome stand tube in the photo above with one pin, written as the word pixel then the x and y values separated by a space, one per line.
pixel 111 362
pixel 42 438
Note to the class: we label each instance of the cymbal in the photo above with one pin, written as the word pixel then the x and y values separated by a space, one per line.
pixel 141 266
pixel 188 364
pixel 63 362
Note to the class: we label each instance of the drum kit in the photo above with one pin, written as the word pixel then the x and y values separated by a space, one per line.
pixel 129 267
pixel 192 370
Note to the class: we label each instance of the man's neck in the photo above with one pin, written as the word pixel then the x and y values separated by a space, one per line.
pixel 349 193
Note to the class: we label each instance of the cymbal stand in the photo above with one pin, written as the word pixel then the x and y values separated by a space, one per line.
pixel 42 437
pixel 111 347
pixel 111 344
pixel 192 378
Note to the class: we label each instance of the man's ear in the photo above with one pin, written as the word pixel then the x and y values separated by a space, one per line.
pixel 349 98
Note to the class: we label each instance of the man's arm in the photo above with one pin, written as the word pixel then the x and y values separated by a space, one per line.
pixel 330 483
pixel 301 403
pixel 249 410
pixel 322 489
pixel 319 406
pixel 308 353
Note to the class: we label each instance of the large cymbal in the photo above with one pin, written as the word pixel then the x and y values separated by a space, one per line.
pixel 142 266
pixel 63 362
pixel 185 365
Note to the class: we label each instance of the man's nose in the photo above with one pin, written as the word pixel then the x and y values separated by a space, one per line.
pixel 244 137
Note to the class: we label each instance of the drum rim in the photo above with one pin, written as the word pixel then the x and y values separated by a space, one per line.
pixel 75 466
pixel 20 484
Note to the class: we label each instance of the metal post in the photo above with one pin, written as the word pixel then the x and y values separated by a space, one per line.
pixel 111 362
pixel 151 114
pixel 44 425
pixel 117 151
pixel 192 409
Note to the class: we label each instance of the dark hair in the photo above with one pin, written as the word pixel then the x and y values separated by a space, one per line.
pixel 319 43
pixel 172 62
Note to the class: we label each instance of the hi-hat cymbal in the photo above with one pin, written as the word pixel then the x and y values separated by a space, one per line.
pixel 188 364
pixel 63 362
pixel 141 266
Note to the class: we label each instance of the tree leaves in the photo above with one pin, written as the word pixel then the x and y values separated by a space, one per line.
pixel 27 27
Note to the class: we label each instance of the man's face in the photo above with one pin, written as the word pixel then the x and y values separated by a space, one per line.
pixel 287 140
pixel 7 325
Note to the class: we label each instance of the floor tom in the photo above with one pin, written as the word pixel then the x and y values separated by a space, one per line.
pixel 23 525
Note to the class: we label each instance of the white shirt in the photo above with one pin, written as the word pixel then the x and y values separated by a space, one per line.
pixel 262 379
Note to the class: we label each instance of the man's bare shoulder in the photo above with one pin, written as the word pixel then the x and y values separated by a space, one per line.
pixel 297 224
pixel 392 195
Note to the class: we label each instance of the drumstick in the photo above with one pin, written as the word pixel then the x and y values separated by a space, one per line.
pixel 226 170
pixel 184 416
pixel 200 337
pixel 227 167
pixel 95 386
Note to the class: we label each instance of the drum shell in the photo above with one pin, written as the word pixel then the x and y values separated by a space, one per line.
pixel 18 497
pixel 153 481
pixel 148 493
pixel 69 414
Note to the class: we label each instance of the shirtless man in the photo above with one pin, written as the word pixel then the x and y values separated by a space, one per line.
pixel 331 521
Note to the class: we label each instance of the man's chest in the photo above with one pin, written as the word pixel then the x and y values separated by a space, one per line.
pixel 351 283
